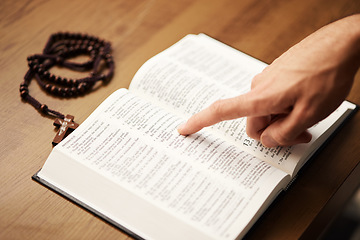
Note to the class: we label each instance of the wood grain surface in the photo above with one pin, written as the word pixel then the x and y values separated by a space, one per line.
pixel 139 29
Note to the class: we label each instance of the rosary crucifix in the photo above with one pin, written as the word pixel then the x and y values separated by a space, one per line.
pixel 65 126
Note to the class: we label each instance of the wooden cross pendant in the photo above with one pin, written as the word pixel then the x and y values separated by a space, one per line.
pixel 65 126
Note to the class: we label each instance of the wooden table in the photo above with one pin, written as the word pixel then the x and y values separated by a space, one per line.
pixel 139 29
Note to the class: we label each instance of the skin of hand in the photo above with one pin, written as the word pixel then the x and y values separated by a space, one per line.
pixel 300 88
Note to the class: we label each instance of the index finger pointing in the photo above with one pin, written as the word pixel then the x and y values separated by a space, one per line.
pixel 221 110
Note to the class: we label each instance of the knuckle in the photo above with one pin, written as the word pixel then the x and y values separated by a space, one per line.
pixel 306 115
pixel 309 115
pixel 255 103
pixel 256 80
pixel 217 108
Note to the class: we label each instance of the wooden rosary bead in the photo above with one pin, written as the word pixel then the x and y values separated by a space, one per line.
pixel 62 81
pixel 61 52
pixel 35 67
pixel 69 82
pixel 52 77
pixel 48 87
pixel 46 74
pixel 55 36
pixel 40 70
pixel 23 86
pixel 66 35
pixel 24 93
pixel 44 108
pixel 61 91
pixel 102 77
pixel 81 87
pixel 59 60
pixel 31 64
pixel 86 41
pixel 77 47
pixel 109 60
pixel 54 89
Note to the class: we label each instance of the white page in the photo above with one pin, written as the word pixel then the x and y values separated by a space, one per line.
pixel 217 187
pixel 196 72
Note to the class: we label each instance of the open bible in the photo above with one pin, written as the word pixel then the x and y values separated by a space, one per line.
pixel 127 163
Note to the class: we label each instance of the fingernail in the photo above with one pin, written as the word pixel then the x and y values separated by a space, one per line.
pixel 268 141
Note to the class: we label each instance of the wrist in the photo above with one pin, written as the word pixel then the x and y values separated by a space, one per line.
pixel 352 36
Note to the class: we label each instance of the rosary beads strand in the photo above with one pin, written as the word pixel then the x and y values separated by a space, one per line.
pixel 59 48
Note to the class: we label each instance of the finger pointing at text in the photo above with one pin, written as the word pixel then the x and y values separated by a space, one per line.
pixel 300 88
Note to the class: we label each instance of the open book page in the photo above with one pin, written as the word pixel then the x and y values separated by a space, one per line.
pixel 196 72
pixel 211 187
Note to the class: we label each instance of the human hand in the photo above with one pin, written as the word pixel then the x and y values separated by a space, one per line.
pixel 300 88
